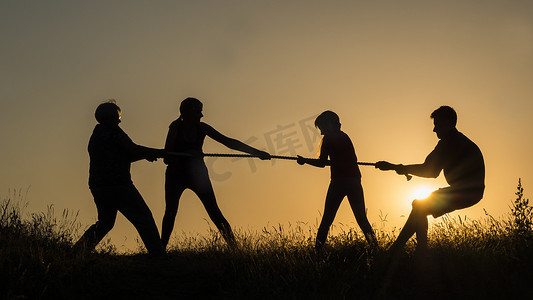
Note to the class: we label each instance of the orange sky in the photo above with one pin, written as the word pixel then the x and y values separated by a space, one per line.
pixel 260 67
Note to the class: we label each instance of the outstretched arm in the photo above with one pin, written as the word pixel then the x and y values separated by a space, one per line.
pixel 320 162
pixel 150 154
pixel 315 162
pixel 428 169
pixel 138 152
pixel 233 143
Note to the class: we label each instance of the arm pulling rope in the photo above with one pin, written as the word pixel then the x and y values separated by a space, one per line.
pixel 255 156
pixel 271 156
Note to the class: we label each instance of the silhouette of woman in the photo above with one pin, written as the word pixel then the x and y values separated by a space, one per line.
pixel 345 177
pixel 186 135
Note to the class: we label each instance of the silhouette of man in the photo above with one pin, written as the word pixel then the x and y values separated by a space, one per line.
pixel 464 170
pixel 111 153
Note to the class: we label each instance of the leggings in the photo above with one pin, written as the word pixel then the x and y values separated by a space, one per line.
pixel 338 189
pixel 197 180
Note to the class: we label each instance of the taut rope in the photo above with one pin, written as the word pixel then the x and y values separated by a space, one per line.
pixel 255 156
pixel 407 176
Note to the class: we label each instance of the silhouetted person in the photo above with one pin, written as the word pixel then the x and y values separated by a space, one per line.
pixel 345 177
pixel 111 153
pixel 464 170
pixel 186 135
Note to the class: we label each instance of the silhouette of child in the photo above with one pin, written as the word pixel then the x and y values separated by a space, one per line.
pixel 186 135
pixel 111 153
pixel 345 177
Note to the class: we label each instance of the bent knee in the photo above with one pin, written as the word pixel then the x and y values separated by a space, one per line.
pixel 420 206
pixel 416 203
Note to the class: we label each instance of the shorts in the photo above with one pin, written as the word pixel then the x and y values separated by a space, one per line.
pixel 446 200
pixel 193 175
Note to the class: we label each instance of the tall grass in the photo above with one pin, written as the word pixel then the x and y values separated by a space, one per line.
pixel 31 249
pixel 486 258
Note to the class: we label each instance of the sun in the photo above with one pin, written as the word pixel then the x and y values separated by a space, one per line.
pixel 421 192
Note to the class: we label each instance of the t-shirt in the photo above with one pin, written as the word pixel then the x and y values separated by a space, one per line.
pixel 341 152
pixel 461 160
pixel 110 161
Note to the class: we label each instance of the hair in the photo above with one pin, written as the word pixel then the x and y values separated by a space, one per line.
pixel 107 112
pixel 445 113
pixel 327 117
pixel 189 104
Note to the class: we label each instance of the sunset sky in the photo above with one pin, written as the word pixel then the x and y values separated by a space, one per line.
pixel 264 70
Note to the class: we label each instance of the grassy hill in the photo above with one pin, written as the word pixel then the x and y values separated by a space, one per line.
pixel 468 259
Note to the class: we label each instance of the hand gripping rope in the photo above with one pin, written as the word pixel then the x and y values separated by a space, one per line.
pixel 271 156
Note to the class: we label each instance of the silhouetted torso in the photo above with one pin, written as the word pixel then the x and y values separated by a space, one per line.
pixel 341 152
pixel 110 162
pixel 461 160
pixel 179 141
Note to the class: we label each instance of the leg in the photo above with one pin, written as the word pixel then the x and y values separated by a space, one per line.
pixel 422 233
pixel 133 207
pixel 334 197
pixel 417 222
pixel 173 191
pixel 210 203
pixel 201 186
pixel 442 201
pixel 107 213
pixel 357 203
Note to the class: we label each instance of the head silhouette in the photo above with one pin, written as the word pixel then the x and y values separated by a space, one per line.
pixel 328 121
pixel 445 120
pixel 191 110
pixel 108 112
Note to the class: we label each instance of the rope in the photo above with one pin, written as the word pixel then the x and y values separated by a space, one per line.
pixel 407 176
pixel 255 156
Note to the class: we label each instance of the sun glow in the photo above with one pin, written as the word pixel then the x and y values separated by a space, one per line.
pixel 422 192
